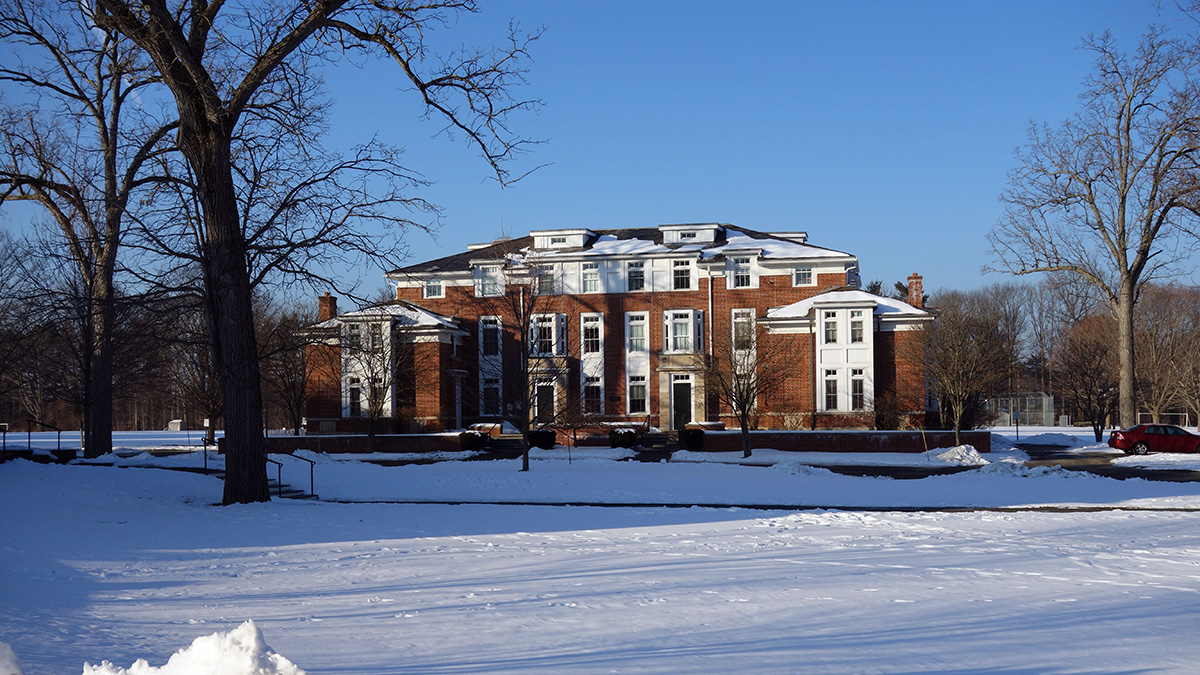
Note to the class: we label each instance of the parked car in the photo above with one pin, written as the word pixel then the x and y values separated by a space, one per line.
pixel 1145 438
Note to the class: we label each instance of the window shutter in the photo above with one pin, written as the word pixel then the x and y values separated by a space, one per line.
pixel 698 319
pixel 666 334
pixel 560 345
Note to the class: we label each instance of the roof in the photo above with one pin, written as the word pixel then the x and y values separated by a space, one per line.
pixel 883 306
pixel 630 242
pixel 404 313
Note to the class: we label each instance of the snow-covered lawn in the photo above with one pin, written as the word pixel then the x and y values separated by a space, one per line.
pixel 117 564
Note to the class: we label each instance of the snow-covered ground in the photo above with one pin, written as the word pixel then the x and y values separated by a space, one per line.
pixel 1071 573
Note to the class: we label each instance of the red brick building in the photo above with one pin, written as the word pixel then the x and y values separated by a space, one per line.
pixel 587 326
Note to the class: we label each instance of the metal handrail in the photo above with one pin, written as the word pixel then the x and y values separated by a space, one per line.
pixel 311 467
pixel 29 433
pixel 278 477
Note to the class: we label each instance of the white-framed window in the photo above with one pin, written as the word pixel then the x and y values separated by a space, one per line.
pixel 545 280
pixel 803 276
pixel 687 235
pixel 682 331
pixel 591 332
pixel 682 275
pixel 635 275
pixel 354 336
pixel 856 326
pixel 489 335
pixel 434 289
pixel 858 389
pixel 558 241
pixel 547 335
pixel 490 285
pixel 593 395
pixel 490 398
pixel 636 333
pixel 831 390
pixel 830 323
pixel 591 277
pixel 743 329
pixel 376 332
pixel 637 403
pixel 355 392
pixel 741 272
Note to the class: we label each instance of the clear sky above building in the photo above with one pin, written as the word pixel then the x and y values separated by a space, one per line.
pixel 885 129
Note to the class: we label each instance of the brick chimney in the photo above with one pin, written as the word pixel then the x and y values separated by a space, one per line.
pixel 916 291
pixel 326 307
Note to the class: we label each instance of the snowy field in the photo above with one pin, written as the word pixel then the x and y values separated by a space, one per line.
pixel 1063 573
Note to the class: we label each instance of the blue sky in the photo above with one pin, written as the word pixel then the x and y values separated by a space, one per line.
pixel 884 129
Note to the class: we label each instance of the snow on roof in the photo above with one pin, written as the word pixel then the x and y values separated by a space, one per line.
pixel 404 313
pixel 773 248
pixel 882 305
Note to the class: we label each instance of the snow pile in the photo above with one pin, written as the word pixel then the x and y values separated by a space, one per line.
pixel 9 663
pixel 1053 438
pixel 962 455
pixel 798 467
pixel 241 651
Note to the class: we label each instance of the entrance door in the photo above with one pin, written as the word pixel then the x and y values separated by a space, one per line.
pixel 681 404
pixel 544 404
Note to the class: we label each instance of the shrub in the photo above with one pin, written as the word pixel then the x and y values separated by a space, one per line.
pixel 545 439
pixel 622 438
pixel 472 440
pixel 691 439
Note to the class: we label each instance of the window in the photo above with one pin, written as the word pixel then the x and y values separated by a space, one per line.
pixel 637 333
pixel 593 395
pixel 353 336
pixel 591 277
pixel 681 331
pixel 636 275
pixel 489 331
pixel 856 326
pixel 491 396
pixel 741 273
pixel 591 334
pixel 546 335
pixel 434 289
pixel 831 327
pixel 545 280
pixel 687 235
pixel 558 241
pixel 489 282
pixel 355 397
pixel 743 329
pixel 683 275
pixel 831 390
pixel 858 390
pixel 637 394
pixel 803 276
pixel 376 337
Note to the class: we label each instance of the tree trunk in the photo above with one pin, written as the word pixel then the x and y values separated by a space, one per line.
pixel 745 438
pixel 230 318
pixel 1125 350
pixel 97 413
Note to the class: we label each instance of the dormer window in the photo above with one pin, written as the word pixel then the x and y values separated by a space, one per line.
pixel 687 235
pixel 558 241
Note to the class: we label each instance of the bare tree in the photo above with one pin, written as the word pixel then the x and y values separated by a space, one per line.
pixel 79 150
pixel 527 350
pixel 1162 332
pixel 222 66
pixel 967 357
pixel 748 365
pixel 283 340
pixel 1106 195
pixel 1187 367
pixel 1086 370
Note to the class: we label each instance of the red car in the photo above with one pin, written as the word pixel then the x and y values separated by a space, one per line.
pixel 1146 438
